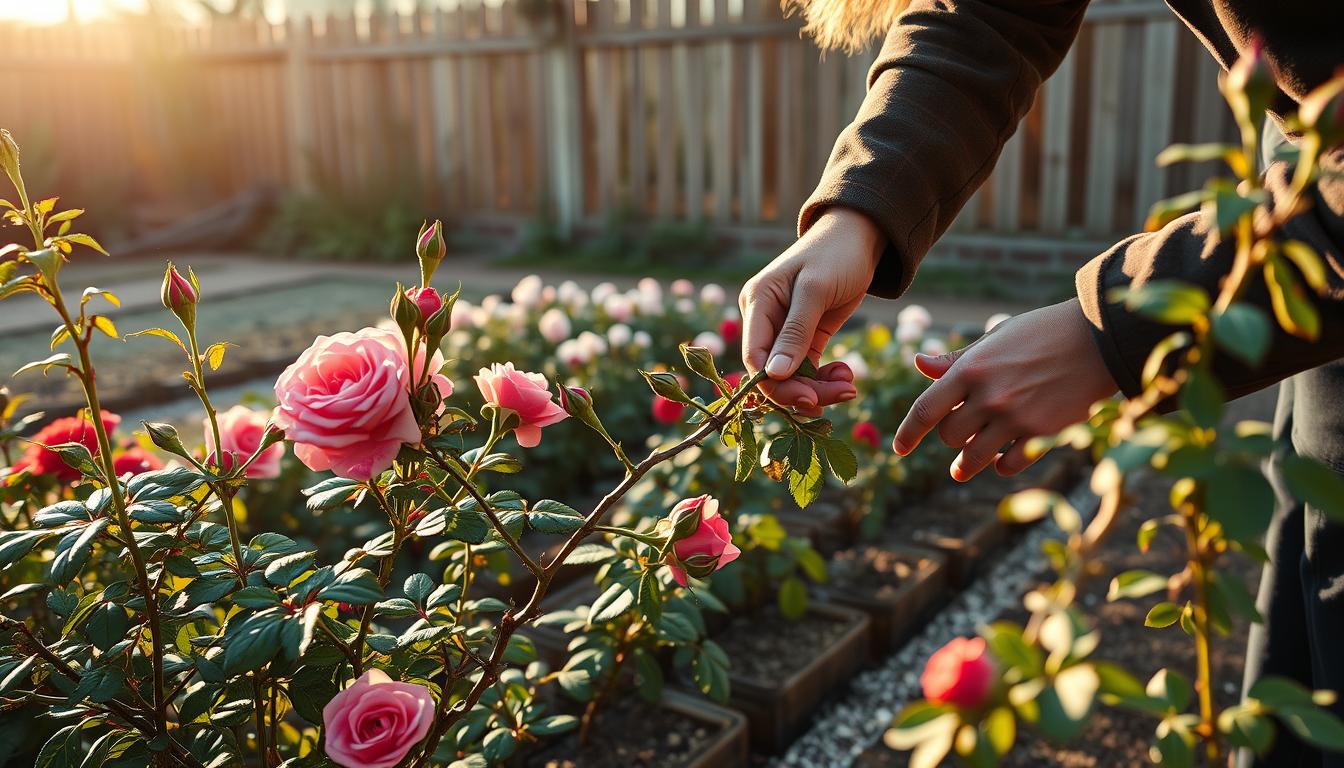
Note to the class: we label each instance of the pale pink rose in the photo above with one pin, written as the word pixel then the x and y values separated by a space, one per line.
pixel 602 291
pixel 241 430
pixel 571 295
pixel 682 287
pixel 595 345
pixel 915 315
pixel 714 294
pixel 642 339
pixel 345 402
pixel 711 341
pixel 909 333
pixel 706 550
pixel 620 335
pixel 376 721
pixel 528 291
pixel 572 353
pixel 554 325
pixel 462 315
pixel 618 307
pixel 933 347
pixel 526 394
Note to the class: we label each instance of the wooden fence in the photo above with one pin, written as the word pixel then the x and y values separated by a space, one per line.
pixel 690 110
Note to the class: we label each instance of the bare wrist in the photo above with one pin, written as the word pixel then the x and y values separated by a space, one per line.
pixel 869 238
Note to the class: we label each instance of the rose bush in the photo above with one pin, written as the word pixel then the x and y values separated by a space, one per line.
pixel 174 632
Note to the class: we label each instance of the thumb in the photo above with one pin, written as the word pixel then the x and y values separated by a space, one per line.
pixel 936 366
pixel 795 336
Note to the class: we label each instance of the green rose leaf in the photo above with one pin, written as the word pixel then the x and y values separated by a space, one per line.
pixel 357 586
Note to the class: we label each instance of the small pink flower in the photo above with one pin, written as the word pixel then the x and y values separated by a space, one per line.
pixel 241 430
pixel 682 287
pixel 960 673
pixel 554 325
pixel 376 721
pixel 711 341
pixel 706 550
pixel 427 299
pixel 526 394
pixel 866 432
pixel 345 402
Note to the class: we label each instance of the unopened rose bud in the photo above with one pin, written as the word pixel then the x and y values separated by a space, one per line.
pixel 575 400
pixel 226 462
pixel 180 294
pixel 1252 77
pixel 9 156
pixel 960 673
pixel 665 385
pixel 700 360
pixel 165 437
pixel 430 250
pixel 405 312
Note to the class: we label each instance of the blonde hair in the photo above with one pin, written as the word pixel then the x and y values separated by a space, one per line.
pixel 847 25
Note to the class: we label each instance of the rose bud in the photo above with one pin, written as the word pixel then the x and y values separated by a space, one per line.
pixel 9 156
pixel 180 294
pixel 866 432
pixel 701 542
pixel 1252 76
pixel 430 250
pixel 427 300
pixel 960 673
pixel 376 721
pixel 526 394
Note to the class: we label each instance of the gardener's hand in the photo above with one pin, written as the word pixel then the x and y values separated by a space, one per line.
pixel 1032 375
pixel 793 306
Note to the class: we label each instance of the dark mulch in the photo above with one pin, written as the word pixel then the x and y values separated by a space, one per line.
pixel 765 645
pixel 629 733
pixel 873 570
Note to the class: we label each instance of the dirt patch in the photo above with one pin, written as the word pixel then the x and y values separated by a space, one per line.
pixel 766 646
pixel 630 734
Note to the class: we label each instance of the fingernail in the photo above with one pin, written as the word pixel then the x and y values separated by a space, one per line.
pixel 899 447
pixel 847 396
pixel 779 365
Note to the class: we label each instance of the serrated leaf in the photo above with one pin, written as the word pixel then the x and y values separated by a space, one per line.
pixel 615 601
pixel 548 516
pixel 357 586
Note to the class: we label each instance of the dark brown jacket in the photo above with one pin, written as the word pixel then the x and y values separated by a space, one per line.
pixel 952 81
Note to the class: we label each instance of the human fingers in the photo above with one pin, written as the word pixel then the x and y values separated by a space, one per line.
pixel 1015 459
pixel 981 451
pixel 932 405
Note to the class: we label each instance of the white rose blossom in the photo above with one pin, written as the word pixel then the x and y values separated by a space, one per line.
pixel 643 340
pixel 915 315
pixel 934 347
pixel 856 364
pixel 714 294
pixel 528 291
pixel 620 335
pixel 602 290
pixel 682 287
pixel 618 307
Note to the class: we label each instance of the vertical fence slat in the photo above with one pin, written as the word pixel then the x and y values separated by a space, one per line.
pixel 1102 143
pixel 1159 78
pixel 1055 140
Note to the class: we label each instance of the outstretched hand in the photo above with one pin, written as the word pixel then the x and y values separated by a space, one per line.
pixel 1032 375
pixel 793 307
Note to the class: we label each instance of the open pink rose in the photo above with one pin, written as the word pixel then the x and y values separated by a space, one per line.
pixel 241 430
pixel 376 721
pixel 345 402
pixel 526 394
pixel 708 548
pixel 960 673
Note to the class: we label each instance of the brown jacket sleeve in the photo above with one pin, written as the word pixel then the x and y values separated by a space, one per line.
pixel 948 89
pixel 1187 250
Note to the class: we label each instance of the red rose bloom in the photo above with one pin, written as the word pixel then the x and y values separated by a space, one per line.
pixel 960 673
pixel 731 330
pixel 866 432
pixel 667 411
pixel 135 460
pixel 71 429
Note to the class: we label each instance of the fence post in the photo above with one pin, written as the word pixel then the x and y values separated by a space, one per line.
pixel 299 104
pixel 565 150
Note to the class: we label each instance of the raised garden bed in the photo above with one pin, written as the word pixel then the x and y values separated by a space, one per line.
pixel 783 670
pixel 827 523
pixel 681 731
pixel 896 586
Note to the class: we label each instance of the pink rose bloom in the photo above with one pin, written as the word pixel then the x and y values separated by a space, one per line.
pixel 345 402
pixel 866 432
pixel 526 394
pixel 376 721
pixel 706 550
pixel 241 430
pixel 960 673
